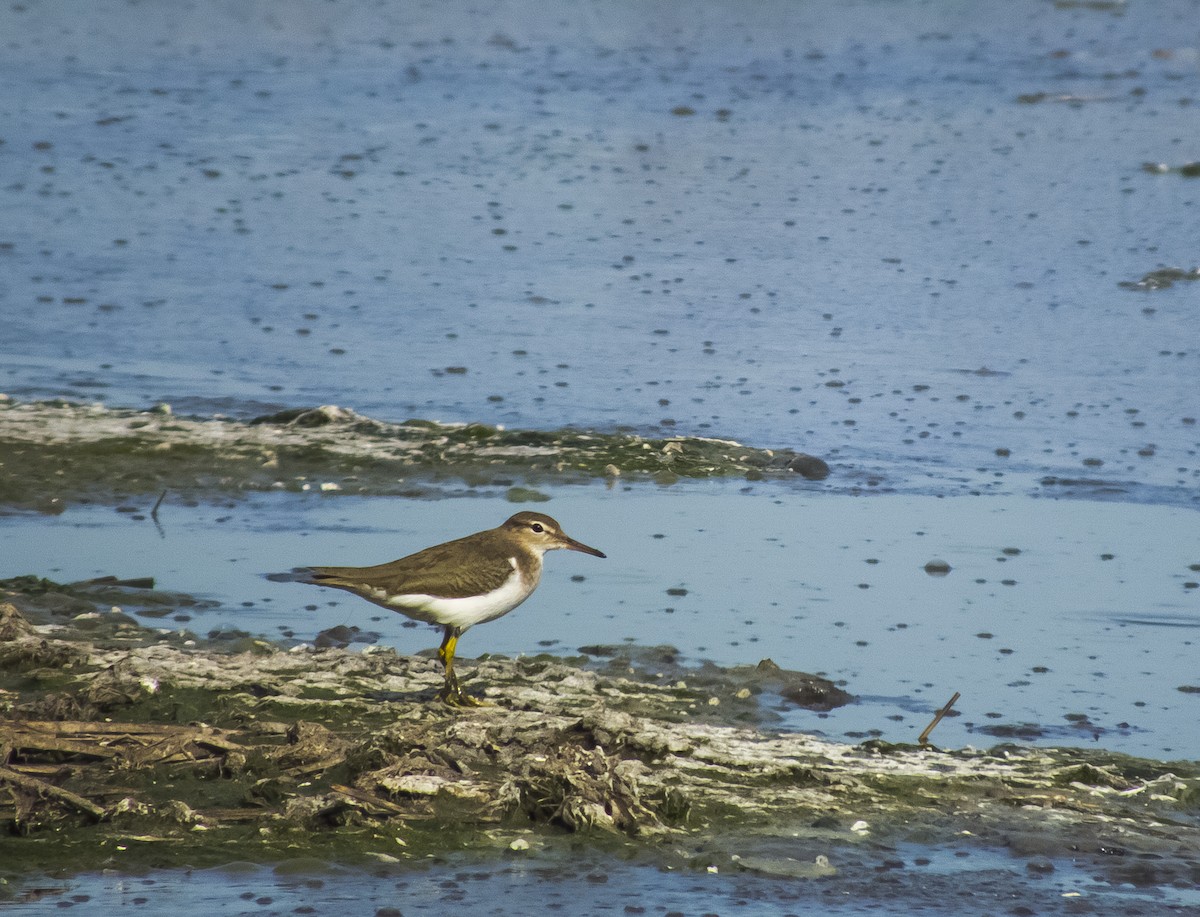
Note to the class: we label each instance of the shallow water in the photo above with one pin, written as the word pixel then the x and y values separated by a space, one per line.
pixel 890 234
pixel 1060 622
pixel 830 226
pixel 931 882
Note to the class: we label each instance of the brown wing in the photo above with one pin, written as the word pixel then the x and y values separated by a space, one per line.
pixel 434 571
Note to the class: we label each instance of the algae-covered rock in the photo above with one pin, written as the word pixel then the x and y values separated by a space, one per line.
pixel 176 753
pixel 57 452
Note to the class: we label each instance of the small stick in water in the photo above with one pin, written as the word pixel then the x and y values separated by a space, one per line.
pixel 923 738
pixel 157 503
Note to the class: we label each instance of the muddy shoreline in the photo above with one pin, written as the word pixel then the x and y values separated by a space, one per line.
pixel 55 453
pixel 126 747
pixel 58 453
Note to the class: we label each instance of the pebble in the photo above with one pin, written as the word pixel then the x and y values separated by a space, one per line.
pixel 809 467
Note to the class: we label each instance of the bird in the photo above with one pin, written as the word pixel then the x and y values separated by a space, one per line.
pixel 458 584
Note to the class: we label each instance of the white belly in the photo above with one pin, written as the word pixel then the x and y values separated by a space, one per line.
pixel 464 612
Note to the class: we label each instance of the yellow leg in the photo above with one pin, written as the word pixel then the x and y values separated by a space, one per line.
pixel 451 694
pixel 446 650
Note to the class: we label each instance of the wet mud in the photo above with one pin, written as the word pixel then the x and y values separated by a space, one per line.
pixel 57 453
pixel 1162 279
pixel 126 747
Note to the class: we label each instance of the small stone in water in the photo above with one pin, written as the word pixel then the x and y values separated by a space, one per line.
pixel 809 467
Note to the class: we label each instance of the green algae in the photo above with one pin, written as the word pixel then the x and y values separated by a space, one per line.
pixel 133 749
pixel 54 453
pixel 1161 279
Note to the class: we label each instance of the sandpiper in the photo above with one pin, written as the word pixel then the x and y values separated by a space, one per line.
pixel 458 584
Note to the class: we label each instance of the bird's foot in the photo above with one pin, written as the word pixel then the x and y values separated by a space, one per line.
pixel 456 698
pixel 453 696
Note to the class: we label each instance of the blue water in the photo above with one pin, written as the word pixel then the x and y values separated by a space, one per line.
pixel 932 880
pixel 1077 618
pixel 830 226
pixel 796 224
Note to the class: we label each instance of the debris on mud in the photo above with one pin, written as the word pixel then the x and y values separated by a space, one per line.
pixel 126 746
pixel 1162 278
pixel 56 452
pixel 1187 169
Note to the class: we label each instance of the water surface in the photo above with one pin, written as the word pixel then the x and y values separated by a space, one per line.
pixel 888 233
pixel 1060 622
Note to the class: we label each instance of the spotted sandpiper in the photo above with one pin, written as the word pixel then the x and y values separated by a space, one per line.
pixel 457 584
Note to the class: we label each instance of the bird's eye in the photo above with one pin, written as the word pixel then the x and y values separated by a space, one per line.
pixel 537 527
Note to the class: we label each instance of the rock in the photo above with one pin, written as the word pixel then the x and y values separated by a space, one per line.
pixel 1039 865
pixel 809 467
pixel 786 867
pixel 937 567
pixel 809 691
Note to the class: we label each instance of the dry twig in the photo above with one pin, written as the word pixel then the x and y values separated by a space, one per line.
pixel 923 738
